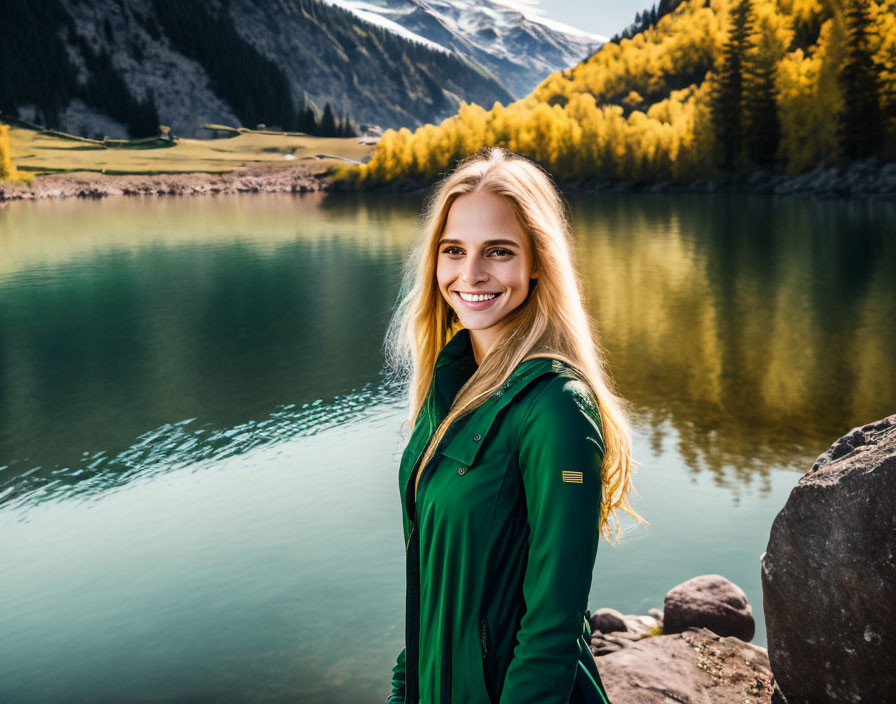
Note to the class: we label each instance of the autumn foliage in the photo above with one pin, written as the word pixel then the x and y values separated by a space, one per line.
pixel 647 108
pixel 8 171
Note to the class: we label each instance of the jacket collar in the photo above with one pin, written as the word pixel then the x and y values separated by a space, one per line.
pixel 458 348
pixel 466 443
pixel 454 366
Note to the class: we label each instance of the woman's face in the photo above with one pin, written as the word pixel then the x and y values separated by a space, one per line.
pixel 484 265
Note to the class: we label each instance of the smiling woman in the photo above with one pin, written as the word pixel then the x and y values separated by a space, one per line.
pixel 484 267
pixel 519 452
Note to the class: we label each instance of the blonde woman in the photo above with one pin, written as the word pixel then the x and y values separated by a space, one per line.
pixel 519 449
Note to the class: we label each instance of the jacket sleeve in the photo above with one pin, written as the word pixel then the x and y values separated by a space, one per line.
pixel 397 695
pixel 561 451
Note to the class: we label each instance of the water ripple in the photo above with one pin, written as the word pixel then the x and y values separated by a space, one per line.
pixel 183 443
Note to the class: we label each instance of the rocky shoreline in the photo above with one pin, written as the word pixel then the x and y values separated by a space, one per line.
pixel 827 582
pixel 262 178
pixel 695 649
pixel 869 179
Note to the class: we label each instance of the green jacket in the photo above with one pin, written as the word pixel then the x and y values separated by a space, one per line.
pixel 501 541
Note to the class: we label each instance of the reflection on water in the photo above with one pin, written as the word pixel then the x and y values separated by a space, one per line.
pixel 198 455
pixel 112 339
pixel 760 328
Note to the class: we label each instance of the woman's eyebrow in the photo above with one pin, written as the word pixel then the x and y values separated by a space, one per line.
pixel 487 243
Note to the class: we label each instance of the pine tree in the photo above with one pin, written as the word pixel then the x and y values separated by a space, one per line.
pixel 146 120
pixel 327 122
pixel 762 129
pixel 729 88
pixel 309 123
pixel 860 121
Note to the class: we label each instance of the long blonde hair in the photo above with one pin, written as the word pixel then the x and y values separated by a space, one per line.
pixel 551 323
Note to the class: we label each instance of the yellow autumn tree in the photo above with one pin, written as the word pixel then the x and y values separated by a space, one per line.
pixel 641 108
pixel 8 170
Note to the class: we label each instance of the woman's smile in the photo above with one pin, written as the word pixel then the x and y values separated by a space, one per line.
pixel 477 301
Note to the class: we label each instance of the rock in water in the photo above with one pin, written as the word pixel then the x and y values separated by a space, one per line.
pixel 709 601
pixel 829 575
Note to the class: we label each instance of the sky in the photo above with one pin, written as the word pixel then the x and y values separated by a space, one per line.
pixel 605 17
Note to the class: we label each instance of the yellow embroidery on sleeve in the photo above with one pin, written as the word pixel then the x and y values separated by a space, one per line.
pixel 569 476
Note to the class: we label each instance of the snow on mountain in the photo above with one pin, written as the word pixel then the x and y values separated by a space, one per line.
pixel 380 16
pixel 535 14
pixel 509 38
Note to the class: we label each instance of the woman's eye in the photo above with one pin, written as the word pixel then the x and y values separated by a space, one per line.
pixel 499 251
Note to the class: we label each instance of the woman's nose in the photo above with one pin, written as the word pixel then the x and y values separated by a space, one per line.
pixel 474 270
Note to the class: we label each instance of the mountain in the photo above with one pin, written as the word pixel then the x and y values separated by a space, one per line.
pixel 709 88
pixel 516 45
pixel 114 68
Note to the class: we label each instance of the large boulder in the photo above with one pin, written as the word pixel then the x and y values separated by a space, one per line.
pixel 709 601
pixel 693 667
pixel 829 575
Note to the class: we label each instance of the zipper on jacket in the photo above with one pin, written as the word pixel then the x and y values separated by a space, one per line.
pixel 487 670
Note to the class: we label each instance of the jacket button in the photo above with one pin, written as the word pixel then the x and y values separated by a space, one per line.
pixel 461 471
pixel 477 437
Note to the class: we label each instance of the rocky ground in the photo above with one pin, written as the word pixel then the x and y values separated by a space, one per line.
pixel 671 655
pixel 262 178
pixel 696 666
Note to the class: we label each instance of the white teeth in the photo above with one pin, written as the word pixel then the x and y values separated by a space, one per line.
pixel 473 298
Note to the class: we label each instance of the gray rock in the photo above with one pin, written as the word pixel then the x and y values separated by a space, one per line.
pixel 829 574
pixel 693 667
pixel 710 601
pixel 607 621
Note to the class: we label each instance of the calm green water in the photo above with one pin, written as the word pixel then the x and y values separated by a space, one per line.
pixel 198 457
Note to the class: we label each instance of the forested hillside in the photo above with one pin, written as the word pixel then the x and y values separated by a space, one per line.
pixel 715 86
pixel 109 67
